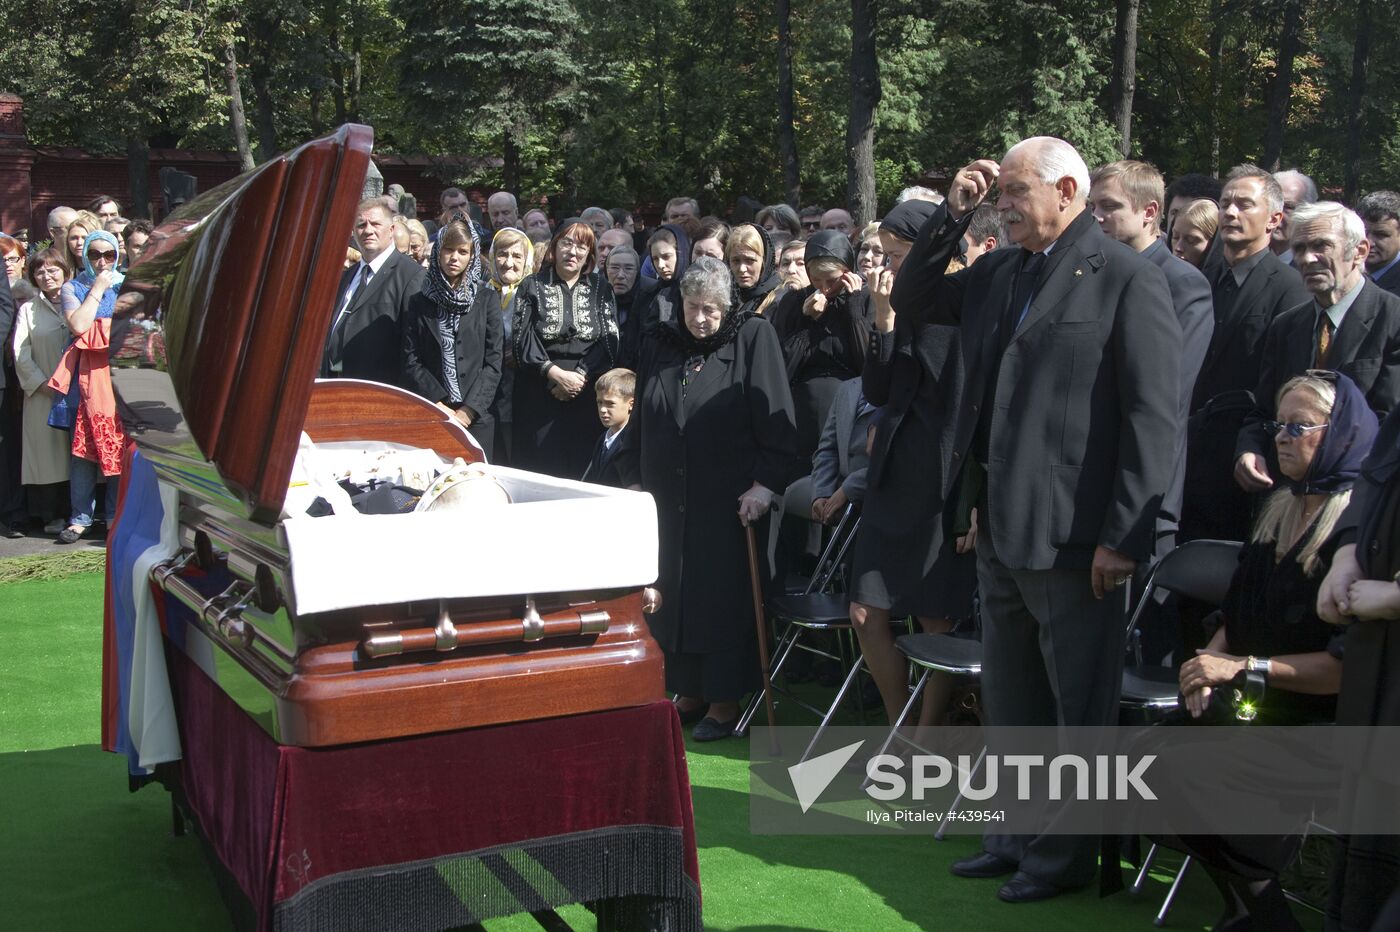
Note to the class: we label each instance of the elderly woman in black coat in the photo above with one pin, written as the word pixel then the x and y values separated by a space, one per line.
pixel 717 439
pixel 824 330
pixel 451 333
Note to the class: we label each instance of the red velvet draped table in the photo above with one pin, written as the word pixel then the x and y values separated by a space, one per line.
pixel 444 830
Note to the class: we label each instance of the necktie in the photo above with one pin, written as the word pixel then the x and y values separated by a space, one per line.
pixel 1324 342
pixel 1027 280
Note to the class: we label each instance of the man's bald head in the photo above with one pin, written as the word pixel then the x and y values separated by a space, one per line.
pixel 610 240
pixel 503 210
pixel 59 219
pixel 839 220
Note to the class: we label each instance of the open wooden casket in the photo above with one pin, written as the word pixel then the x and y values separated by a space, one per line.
pixel 350 627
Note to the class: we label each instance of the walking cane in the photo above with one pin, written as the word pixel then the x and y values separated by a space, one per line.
pixel 760 619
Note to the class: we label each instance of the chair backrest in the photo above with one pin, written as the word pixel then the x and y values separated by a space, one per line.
pixel 1198 569
pixel 830 560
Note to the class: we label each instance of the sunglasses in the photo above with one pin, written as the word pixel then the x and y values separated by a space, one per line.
pixel 96 254
pixel 1294 430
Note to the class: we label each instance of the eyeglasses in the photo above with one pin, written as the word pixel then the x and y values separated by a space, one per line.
pixel 97 254
pixel 1294 430
pixel 572 245
pixel 14 259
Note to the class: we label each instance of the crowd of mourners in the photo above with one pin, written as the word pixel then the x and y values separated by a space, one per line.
pixel 1029 387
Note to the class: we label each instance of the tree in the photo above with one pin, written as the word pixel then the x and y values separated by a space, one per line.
pixel 787 132
pixel 1356 98
pixel 865 97
pixel 507 68
pixel 237 123
pixel 1124 81
pixel 1281 87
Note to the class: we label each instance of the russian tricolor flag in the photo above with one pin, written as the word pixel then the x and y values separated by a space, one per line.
pixel 138 715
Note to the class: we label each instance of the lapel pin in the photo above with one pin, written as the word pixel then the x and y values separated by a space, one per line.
pixel 1078 272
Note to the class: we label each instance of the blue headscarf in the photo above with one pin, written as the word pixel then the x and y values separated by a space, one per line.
pixel 82 284
pixel 1351 430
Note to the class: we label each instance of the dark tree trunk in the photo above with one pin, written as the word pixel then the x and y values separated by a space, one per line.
pixel 261 53
pixel 356 50
pixel 787 132
pixel 1281 88
pixel 1360 63
pixel 337 59
pixel 318 125
pixel 1217 49
pixel 236 120
pixel 1124 82
pixel 860 128
pixel 658 61
pixel 138 175
pixel 510 156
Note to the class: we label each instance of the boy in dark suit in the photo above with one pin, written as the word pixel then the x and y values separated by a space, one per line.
pixel 616 389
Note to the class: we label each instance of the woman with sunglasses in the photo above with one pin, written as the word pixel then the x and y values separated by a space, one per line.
pixel 564 335
pixel 1270 637
pixel 87 303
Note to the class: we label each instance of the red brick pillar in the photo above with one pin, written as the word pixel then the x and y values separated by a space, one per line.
pixel 16 161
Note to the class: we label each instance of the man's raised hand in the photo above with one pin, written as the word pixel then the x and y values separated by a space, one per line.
pixel 970 186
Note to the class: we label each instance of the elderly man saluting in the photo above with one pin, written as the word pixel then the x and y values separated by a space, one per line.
pixel 1068 425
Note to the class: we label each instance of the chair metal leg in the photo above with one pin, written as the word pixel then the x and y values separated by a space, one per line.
pixel 835 704
pixel 957 800
pixel 1142 871
pixel 1161 919
pixel 856 654
pixel 894 729
pixel 785 646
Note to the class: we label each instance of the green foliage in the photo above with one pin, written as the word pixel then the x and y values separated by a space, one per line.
pixel 631 103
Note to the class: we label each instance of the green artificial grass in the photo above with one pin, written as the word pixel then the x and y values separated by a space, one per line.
pixel 81 852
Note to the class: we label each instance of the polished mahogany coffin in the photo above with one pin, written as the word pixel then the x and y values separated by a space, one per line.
pixel 348 628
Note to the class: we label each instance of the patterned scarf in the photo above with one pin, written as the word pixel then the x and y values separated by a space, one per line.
pixel 451 303
pixel 83 282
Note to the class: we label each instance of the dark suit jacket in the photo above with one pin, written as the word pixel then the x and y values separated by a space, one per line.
pixel 478 351
pixel 1237 345
pixel 616 467
pixel 366 344
pixel 7 325
pixel 1191 298
pixel 1366 348
pixel 1085 420
pixel 1390 281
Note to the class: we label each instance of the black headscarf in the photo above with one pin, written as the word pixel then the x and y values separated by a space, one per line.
pixel 451 303
pixel 768 279
pixel 682 253
pixel 1351 430
pixel 831 244
pixel 677 333
pixel 907 219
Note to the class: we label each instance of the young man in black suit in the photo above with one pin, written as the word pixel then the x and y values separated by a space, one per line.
pixel 1380 211
pixel 613 459
pixel 1127 199
pixel 1351 325
pixel 1070 413
pixel 364 341
pixel 1250 287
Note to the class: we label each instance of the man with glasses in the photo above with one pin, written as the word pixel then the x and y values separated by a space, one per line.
pixel 811 218
pixel 1350 325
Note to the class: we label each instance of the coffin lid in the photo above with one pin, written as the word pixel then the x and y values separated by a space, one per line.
pixel 220 328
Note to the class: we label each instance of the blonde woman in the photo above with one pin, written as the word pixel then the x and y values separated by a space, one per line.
pixel 752 259
pixel 1193 231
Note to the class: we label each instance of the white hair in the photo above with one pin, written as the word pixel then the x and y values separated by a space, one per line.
pixel 1353 230
pixel 707 278
pixel 1309 186
pixel 1052 160
pixel 514 205
pixel 919 193
pixel 591 211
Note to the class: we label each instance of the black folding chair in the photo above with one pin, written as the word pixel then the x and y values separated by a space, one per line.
pixel 1201 570
pixel 816 609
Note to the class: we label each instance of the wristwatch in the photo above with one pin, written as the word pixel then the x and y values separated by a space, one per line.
pixel 1259 665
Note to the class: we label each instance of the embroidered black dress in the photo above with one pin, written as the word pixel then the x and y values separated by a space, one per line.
pixel 574 328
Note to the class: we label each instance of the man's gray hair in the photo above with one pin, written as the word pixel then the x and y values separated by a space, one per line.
pixel 919 193
pixel 1353 230
pixel 598 211
pixel 61 217
pixel 514 205
pixel 1273 194
pixel 1309 186
pixel 708 279
pixel 1053 159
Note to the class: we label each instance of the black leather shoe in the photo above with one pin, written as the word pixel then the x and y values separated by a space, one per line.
pixel 983 864
pixel 1023 888
pixel 691 716
pixel 711 729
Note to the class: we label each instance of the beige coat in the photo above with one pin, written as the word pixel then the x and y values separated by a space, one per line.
pixel 41 334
